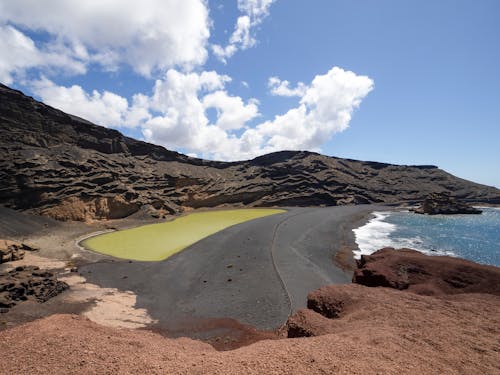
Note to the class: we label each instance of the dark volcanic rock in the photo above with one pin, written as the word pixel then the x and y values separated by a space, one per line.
pixel 410 270
pixel 62 166
pixel 444 204
pixel 28 283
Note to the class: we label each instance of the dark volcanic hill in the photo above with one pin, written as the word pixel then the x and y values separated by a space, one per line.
pixel 63 166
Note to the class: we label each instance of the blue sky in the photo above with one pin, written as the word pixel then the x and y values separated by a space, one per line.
pixel 406 82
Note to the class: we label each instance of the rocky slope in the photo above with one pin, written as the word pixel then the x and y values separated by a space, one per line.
pixel 65 167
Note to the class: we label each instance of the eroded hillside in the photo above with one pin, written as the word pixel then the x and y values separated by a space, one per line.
pixel 68 168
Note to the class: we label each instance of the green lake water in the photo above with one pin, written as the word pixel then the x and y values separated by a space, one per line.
pixel 157 242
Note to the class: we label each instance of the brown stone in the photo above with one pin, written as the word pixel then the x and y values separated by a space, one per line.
pixel 407 269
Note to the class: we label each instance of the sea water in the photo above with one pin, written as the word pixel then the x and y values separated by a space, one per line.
pixel 473 237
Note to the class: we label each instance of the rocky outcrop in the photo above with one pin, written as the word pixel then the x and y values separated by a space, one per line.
pixel 11 251
pixel 444 204
pixel 410 270
pixel 87 209
pixel 395 273
pixel 28 283
pixel 59 165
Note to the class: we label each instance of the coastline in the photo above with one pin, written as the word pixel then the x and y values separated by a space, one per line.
pixel 375 330
pixel 344 258
pixel 464 236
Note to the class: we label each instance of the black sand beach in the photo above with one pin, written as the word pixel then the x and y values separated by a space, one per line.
pixel 257 272
pixel 247 277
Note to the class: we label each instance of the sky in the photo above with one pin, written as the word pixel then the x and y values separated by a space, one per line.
pixel 398 81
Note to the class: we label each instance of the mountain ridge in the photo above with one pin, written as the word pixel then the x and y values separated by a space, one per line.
pixel 62 166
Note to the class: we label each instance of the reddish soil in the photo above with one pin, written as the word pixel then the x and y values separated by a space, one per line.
pixel 223 334
pixel 350 329
pixel 407 269
pixel 381 331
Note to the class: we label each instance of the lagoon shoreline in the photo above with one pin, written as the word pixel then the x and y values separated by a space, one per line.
pixel 269 309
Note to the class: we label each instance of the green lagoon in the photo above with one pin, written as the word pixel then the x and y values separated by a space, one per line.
pixel 157 242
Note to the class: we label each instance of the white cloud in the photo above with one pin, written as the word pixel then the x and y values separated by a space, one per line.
pixel 254 12
pixel 232 112
pixel 19 53
pixel 106 108
pixel 257 9
pixel 325 108
pixel 182 100
pixel 175 115
pixel 148 35
pixel 282 88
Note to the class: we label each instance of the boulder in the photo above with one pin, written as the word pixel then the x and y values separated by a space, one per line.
pixel 11 251
pixel 444 204
pixel 394 287
pixel 410 270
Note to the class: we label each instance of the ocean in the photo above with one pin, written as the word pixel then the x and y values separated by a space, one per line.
pixel 473 237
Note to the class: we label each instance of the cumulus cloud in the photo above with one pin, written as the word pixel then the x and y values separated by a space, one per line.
pixel 148 35
pixel 232 112
pixel 254 12
pixel 21 54
pixel 282 88
pixel 325 108
pixel 175 114
pixel 182 101
pixel 106 108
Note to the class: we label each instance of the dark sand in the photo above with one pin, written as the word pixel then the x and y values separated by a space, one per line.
pixel 256 273
pixel 230 289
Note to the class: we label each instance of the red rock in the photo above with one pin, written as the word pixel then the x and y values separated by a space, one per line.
pixel 407 269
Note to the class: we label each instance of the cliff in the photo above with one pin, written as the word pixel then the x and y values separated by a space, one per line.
pixel 62 166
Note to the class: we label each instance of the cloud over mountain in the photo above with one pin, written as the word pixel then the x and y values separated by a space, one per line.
pixel 165 44
pixel 175 115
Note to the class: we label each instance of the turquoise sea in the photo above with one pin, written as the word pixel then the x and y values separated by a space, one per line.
pixel 473 237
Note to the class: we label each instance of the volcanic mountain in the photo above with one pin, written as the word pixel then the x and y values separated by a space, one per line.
pixel 60 165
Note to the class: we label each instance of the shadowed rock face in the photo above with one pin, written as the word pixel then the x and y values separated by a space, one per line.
pixel 443 203
pixel 68 168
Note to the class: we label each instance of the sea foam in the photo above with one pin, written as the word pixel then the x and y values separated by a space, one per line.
pixel 378 233
pixel 373 235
